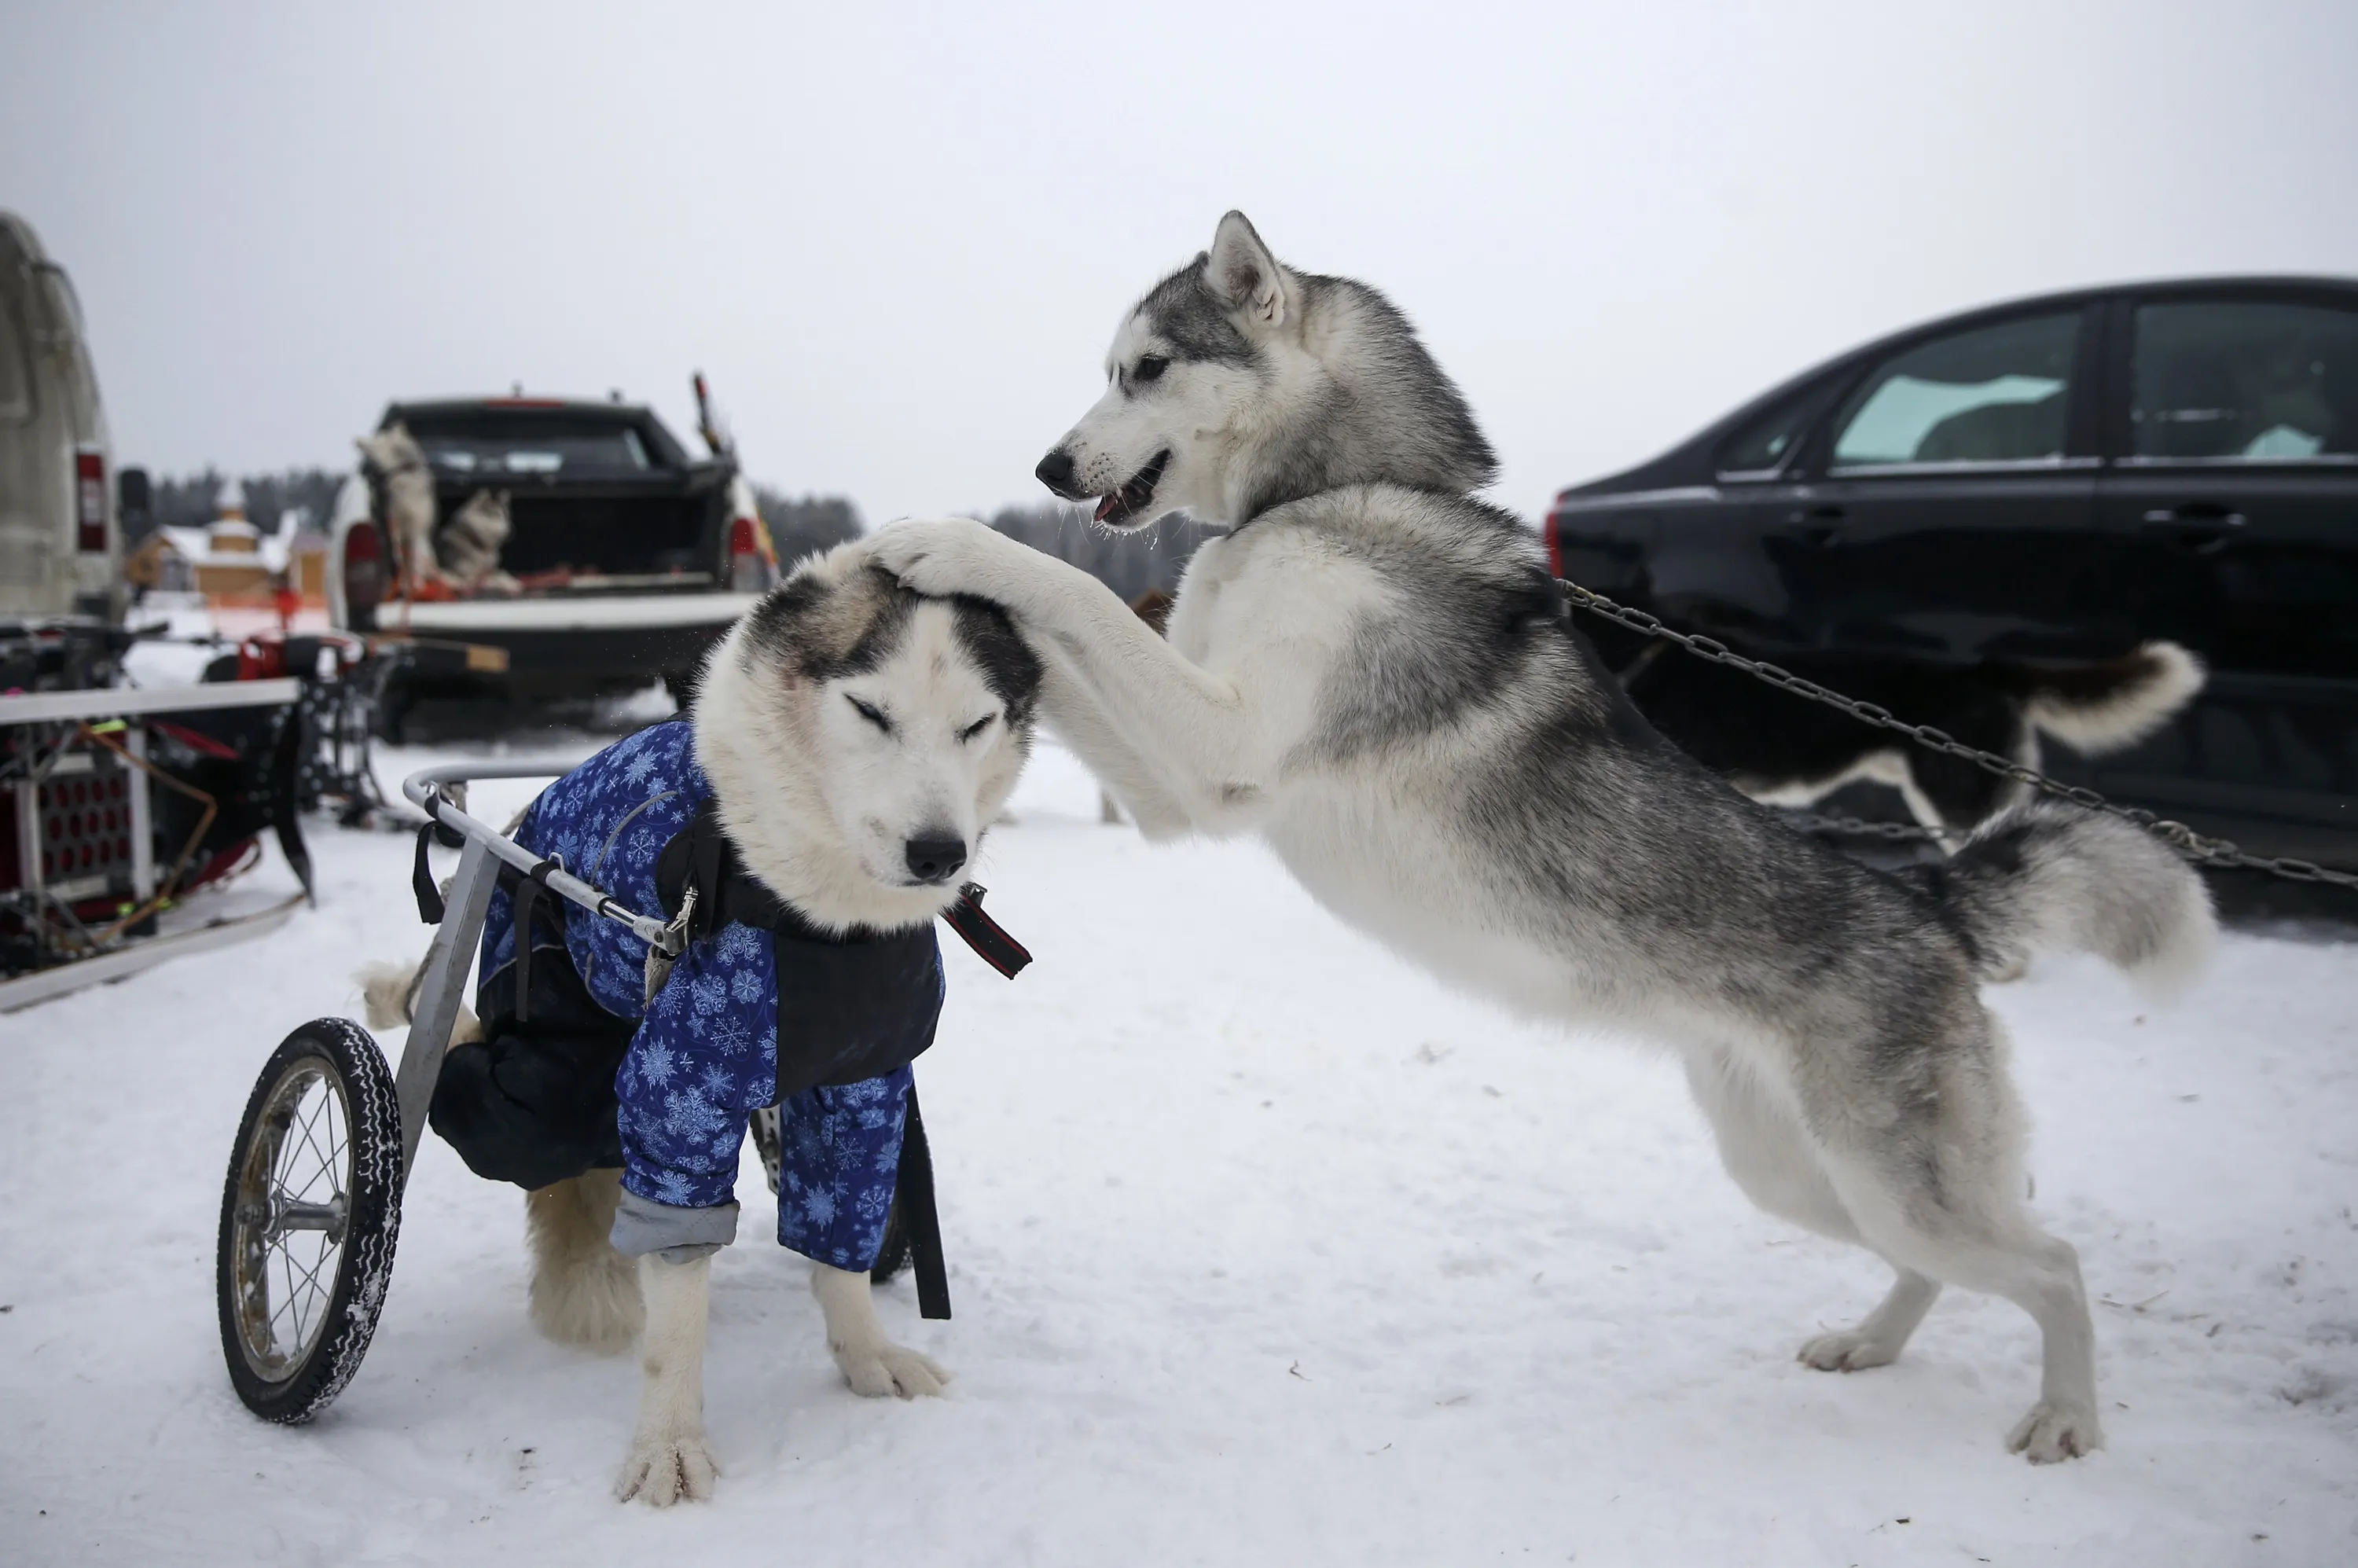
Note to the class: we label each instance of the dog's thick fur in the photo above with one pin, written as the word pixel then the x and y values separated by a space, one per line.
pixel 400 463
pixel 469 546
pixel 1372 673
pixel 1787 751
pixel 819 799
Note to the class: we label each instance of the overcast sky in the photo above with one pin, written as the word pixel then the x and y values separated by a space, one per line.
pixel 898 239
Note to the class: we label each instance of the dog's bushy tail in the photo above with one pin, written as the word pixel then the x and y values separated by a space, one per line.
pixel 2109 706
pixel 2051 876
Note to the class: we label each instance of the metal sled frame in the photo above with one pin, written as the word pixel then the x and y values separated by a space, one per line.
pixel 63 711
pixel 451 959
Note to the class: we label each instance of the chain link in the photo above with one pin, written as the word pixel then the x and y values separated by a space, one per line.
pixel 2194 846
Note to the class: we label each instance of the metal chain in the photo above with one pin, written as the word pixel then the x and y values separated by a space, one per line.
pixel 2184 840
pixel 1860 827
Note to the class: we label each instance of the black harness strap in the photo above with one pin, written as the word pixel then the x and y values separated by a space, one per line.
pixel 912 1190
pixel 421 879
pixel 989 941
pixel 531 886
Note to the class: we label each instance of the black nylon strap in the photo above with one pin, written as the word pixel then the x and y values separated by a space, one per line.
pixel 912 1190
pixel 530 887
pixel 991 942
pixel 421 879
pixel 527 904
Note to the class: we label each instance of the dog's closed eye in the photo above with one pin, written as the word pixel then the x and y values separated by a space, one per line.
pixel 871 713
pixel 978 726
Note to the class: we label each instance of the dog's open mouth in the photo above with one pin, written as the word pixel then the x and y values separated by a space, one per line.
pixel 1136 495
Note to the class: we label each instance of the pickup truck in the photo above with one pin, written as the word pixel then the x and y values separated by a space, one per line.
pixel 632 557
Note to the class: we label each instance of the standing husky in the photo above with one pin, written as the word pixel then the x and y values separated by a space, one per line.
pixel 850 744
pixel 398 460
pixel 1374 673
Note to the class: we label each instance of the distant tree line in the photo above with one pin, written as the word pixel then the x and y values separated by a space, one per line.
pixel 1129 564
pixel 803 526
pixel 195 501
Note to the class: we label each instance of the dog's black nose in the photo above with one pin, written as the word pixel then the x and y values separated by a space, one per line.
pixel 1055 471
pixel 936 859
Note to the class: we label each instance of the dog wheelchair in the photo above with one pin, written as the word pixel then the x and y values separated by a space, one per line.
pixel 311 1205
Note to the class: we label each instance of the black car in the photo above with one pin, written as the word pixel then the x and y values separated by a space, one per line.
pixel 632 556
pixel 2049 480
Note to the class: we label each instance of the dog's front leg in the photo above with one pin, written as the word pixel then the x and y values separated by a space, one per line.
pixel 1155 715
pixel 669 1459
pixel 871 1363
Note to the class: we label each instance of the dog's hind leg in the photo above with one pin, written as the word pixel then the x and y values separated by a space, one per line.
pixel 1946 1202
pixel 669 1458
pixel 583 1292
pixel 870 1362
pixel 1878 1337
pixel 2009 1256
pixel 1769 1156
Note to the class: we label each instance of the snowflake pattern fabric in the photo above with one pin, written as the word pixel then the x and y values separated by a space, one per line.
pixel 706 1051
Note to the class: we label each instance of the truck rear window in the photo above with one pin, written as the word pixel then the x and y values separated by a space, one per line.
pixel 494 446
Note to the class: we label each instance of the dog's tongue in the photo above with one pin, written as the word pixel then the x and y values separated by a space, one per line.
pixel 1105 507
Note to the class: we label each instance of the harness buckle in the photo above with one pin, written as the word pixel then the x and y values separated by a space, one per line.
pixel 668 944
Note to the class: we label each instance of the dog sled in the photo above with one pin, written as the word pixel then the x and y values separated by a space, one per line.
pixel 312 1205
pixel 122 804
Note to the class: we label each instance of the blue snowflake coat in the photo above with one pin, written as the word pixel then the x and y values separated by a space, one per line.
pixel 706 1052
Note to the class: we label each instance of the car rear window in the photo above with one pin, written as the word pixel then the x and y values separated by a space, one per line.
pixel 493 445
pixel 1762 444
pixel 2245 382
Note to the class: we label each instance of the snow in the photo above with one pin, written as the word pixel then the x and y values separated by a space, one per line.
pixel 1264 1250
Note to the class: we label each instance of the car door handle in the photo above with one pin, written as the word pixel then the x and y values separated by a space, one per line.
pixel 1817 525
pixel 2202 527
pixel 2202 514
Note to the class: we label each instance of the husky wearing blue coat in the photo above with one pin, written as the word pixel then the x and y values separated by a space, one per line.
pixel 850 744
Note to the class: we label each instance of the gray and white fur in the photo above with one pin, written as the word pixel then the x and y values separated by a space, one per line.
pixel 840 718
pixel 469 544
pixel 1371 672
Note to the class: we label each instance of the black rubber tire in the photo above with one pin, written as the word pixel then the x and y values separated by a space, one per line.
pixel 343 1054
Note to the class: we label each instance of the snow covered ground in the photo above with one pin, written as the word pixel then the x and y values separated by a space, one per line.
pixel 1264 1251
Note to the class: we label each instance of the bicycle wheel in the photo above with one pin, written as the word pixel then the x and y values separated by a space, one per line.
pixel 309 1214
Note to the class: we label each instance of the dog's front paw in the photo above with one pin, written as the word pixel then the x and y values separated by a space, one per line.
pixel 943 556
pixel 883 1367
pixel 2055 1432
pixel 665 1467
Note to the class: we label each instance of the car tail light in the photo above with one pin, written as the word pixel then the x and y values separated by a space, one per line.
pixel 89 501
pixel 748 565
pixel 363 574
pixel 1554 545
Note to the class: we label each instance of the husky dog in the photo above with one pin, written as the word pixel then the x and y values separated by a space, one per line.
pixel 1787 751
pixel 467 547
pixel 1374 673
pixel 850 744
pixel 395 455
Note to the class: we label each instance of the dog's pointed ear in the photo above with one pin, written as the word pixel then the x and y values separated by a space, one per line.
pixel 1244 275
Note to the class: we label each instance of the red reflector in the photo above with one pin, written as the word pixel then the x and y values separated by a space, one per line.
pixel 364 570
pixel 89 501
pixel 741 539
